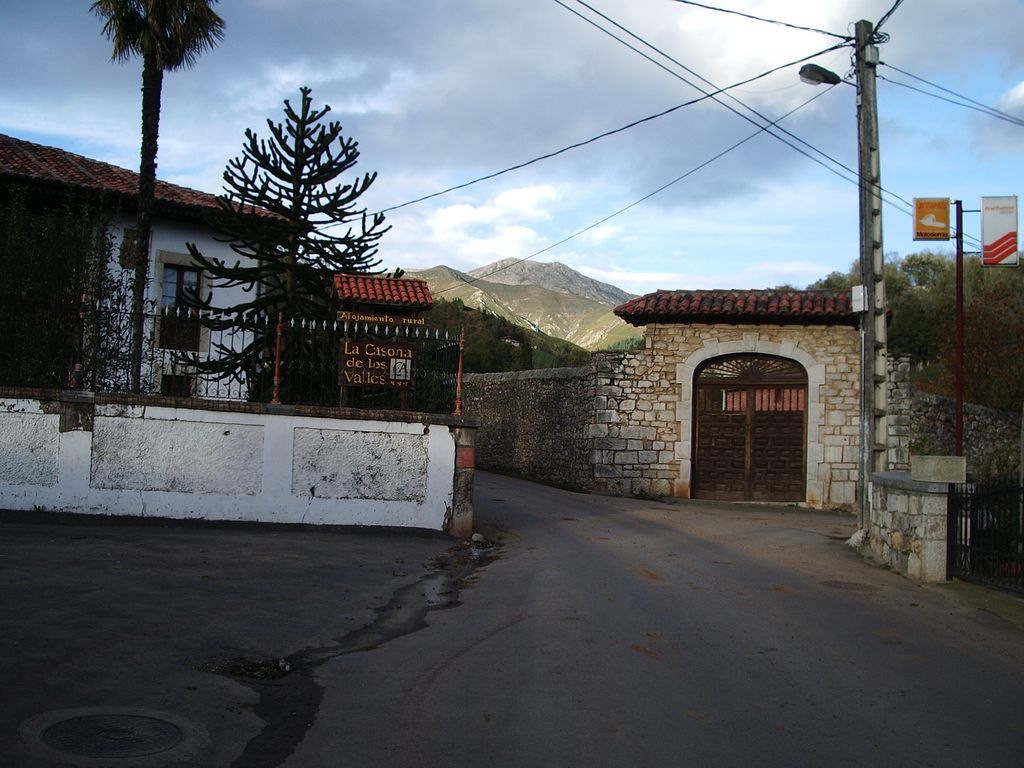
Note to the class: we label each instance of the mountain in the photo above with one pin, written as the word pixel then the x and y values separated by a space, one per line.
pixel 563 306
pixel 553 276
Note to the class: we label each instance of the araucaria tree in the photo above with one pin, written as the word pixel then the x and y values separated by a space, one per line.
pixel 292 221
pixel 168 35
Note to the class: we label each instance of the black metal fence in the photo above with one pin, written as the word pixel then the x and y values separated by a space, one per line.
pixel 257 358
pixel 986 533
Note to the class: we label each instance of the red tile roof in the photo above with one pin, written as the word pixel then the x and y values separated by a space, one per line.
pixel 778 307
pixel 389 291
pixel 40 165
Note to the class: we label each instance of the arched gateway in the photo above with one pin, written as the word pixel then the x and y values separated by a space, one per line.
pixel 744 395
pixel 750 429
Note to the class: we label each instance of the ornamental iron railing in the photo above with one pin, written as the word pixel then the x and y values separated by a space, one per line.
pixel 985 532
pixel 255 358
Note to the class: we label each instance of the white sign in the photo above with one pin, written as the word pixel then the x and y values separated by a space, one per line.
pixel 999 231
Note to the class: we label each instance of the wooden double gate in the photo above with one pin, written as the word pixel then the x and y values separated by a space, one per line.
pixel 750 429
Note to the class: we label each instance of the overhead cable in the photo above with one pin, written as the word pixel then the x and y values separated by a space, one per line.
pixel 768 21
pixel 903 205
pixel 966 101
pixel 887 14
pixel 713 95
pixel 577 145
pixel 646 197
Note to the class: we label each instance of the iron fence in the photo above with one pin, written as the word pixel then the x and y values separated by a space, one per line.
pixel 986 533
pixel 257 358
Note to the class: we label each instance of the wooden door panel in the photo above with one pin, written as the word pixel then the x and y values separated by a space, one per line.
pixel 750 430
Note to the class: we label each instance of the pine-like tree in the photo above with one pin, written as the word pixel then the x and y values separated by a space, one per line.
pixel 292 222
pixel 281 197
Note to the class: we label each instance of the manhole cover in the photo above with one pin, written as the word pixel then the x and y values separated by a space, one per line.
pixel 851 586
pixel 112 736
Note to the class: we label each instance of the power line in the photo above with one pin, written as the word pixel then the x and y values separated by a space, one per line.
pixel 966 101
pixel 648 196
pixel 890 198
pixel 765 128
pixel 768 21
pixel 577 145
pixel 736 112
pixel 887 14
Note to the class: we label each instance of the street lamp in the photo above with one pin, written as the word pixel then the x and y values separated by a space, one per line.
pixel 812 74
pixel 874 365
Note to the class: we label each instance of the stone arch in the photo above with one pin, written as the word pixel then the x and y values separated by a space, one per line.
pixel 752 343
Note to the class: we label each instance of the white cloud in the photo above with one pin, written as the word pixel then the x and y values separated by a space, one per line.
pixel 506 242
pixel 435 101
pixel 1013 99
pixel 600 234
pixel 516 205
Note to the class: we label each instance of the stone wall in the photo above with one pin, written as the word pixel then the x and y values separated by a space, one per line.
pixel 536 423
pixel 624 425
pixel 924 424
pixel 899 418
pixel 907 529
pixel 664 374
pixel 633 426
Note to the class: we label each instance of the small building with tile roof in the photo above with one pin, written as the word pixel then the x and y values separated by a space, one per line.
pixel 51 172
pixel 377 299
pixel 747 395
pixel 47 175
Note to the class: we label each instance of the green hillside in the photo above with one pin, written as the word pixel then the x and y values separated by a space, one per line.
pixel 494 343
pixel 584 322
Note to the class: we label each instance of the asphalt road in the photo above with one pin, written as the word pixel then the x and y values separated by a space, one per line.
pixel 596 632
pixel 614 632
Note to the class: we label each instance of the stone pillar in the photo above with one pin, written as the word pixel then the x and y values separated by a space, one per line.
pixel 900 407
pixel 907 530
pixel 460 519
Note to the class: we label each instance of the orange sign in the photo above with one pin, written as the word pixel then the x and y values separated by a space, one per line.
pixel 931 218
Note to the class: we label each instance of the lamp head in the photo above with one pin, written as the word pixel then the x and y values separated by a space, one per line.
pixel 815 75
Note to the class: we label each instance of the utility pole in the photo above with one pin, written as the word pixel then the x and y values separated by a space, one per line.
pixel 874 359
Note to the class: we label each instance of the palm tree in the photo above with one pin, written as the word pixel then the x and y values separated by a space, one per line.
pixel 168 35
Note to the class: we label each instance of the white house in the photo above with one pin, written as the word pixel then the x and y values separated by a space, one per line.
pixel 48 173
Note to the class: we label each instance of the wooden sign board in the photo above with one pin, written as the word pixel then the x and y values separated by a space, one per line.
pixel 377 363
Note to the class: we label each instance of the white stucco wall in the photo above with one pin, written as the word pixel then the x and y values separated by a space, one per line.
pixel 219 465
pixel 169 247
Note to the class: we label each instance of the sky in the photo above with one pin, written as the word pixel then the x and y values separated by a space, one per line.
pixel 439 93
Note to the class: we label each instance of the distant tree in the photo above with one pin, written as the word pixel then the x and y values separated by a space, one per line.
pixel 168 35
pixel 835 281
pixel 927 269
pixel 920 292
pixel 921 318
pixel 993 346
pixel 292 222
pixel 493 344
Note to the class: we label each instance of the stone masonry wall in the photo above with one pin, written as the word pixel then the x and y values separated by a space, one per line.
pixel 900 407
pixel 624 426
pixel 634 429
pixel 657 382
pixel 534 423
pixel 924 424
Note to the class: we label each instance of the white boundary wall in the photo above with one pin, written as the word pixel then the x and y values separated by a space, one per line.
pixel 148 460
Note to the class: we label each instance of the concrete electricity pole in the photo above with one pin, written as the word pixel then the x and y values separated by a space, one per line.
pixel 874 362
